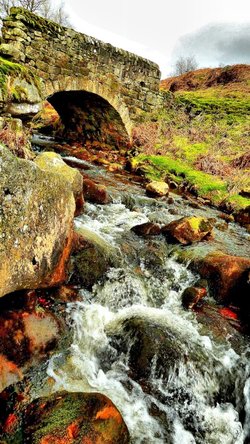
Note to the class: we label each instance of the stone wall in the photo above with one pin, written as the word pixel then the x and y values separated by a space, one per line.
pixel 69 61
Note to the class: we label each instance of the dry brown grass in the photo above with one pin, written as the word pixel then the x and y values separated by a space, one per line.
pixel 17 141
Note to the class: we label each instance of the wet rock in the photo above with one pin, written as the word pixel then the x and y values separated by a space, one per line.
pixel 52 162
pixel 64 418
pixel 226 275
pixel 66 293
pixel 221 226
pixel 223 323
pixel 9 372
pixel 146 229
pixel 16 137
pixel 24 336
pixel 42 331
pixel 94 192
pixel 157 188
pixel 243 216
pixel 170 201
pixel 153 347
pixel 173 211
pixel 192 295
pixel 227 217
pixel 91 258
pixel 188 230
pixel 36 225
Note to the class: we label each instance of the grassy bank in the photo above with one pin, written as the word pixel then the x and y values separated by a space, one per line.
pixel 200 138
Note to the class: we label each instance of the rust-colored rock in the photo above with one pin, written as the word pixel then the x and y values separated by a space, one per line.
pixel 243 217
pixel 23 337
pixel 188 230
pixel 146 229
pixel 85 418
pixel 94 192
pixel 9 372
pixel 227 275
pixel 192 295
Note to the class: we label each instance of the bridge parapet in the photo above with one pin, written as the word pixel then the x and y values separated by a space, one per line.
pixel 69 61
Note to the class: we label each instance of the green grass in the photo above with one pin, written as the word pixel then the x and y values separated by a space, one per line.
pixel 205 185
pixel 215 101
pixel 200 133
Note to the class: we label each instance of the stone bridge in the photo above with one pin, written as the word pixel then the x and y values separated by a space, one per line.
pixel 79 70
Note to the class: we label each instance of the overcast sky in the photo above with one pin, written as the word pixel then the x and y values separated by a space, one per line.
pixel 216 32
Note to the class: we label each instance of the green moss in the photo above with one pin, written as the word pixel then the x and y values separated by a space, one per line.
pixel 238 202
pixel 10 71
pixel 195 222
pixel 35 21
pixel 8 68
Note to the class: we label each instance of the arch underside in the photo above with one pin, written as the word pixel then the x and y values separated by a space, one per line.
pixel 109 93
pixel 87 117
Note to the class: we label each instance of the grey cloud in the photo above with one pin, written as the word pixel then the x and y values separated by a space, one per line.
pixel 217 44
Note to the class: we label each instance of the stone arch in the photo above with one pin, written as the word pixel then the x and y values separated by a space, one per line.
pixel 103 90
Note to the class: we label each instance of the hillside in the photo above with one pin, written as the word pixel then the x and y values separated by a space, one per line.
pixel 229 78
pixel 201 137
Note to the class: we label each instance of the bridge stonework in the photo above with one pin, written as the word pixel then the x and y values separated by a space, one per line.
pixel 67 60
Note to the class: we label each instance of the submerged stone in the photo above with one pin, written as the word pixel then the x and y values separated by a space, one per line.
pixel 91 258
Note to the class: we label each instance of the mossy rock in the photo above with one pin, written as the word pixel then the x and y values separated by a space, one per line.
pixel 74 417
pixel 37 210
pixel 52 162
pixel 188 230
pixel 92 257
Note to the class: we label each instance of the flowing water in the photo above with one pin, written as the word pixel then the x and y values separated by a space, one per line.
pixel 133 341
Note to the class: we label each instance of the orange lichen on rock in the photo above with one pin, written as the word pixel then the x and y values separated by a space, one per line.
pixel 9 372
pixel 109 412
pixel 59 273
pixel 73 430
pixel 10 423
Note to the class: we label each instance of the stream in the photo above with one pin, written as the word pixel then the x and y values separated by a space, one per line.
pixel 172 380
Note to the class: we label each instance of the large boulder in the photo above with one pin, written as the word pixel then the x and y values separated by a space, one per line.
pixel 188 230
pixel 228 276
pixel 36 225
pixel 153 347
pixel 74 417
pixel 52 162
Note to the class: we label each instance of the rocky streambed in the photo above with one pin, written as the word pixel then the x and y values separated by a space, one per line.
pixel 152 312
